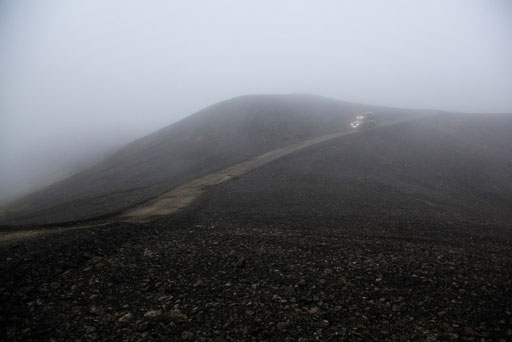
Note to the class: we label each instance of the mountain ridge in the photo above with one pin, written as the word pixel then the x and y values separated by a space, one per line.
pixel 215 137
pixel 235 130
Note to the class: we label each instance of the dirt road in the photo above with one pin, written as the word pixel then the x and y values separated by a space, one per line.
pixel 180 197
pixel 13 237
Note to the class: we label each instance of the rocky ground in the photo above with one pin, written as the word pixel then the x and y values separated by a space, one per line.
pixel 396 233
pixel 302 279
pixel 214 138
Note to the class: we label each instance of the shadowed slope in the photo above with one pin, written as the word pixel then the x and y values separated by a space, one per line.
pixel 449 167
pixel 214 138
pixel 182 196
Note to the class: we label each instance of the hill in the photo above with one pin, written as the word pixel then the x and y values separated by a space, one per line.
pixel 401 232
pixel 212 139
pixel 444 168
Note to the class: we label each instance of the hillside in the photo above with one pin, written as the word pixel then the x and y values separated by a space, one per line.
pixel 445 168
pixel 212 139
pixel 289 228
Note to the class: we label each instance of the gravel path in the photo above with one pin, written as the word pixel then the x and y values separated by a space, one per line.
pixel 184 195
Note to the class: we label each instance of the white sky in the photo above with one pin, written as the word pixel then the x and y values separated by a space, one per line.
pixel 79 75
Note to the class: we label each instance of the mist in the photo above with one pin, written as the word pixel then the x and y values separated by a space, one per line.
pixel 80 79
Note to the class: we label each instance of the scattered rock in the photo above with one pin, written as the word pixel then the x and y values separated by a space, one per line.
pixel 89 329
pixel 283 325
pixel 97 310
pixel 241 262
pixel 187 335
pixel 126 318
pixel 177 316
pixel 314 310
pixel 153 314
pixel 76 309
pixel 468 331
pixel 281 298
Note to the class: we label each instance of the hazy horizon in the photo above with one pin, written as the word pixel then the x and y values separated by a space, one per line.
pixel 82 78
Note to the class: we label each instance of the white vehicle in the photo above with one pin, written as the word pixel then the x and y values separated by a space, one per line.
pixel 365 120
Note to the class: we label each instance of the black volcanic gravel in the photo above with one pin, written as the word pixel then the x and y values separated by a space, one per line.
pixel 358 239
pixel 214 138
pixel 206 279
pixel 409 170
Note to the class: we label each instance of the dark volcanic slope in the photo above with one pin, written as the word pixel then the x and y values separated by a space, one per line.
pixel 218 279
pixel 449 167
pixel 377 236
pixel 214 138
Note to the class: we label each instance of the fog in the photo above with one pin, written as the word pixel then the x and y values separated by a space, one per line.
pixel 79 79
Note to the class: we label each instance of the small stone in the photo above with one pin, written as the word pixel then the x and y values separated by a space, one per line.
pixel 468 331
pixel 177 316
pixel 153 314
pixel 76 309
pixel 314 310
pixel 282 325
pixel 89 329
pixel 449 337
pixel 98 310
pixel 187 335
pixel 241 262
pixel 126 318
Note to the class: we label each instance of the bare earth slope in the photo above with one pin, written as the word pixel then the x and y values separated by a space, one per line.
pixel 443 168
pixel 180 197
pixel 399 233
pixel 214 138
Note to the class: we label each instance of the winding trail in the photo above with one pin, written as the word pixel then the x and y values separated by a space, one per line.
pixel 12 237
pixel 180 197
